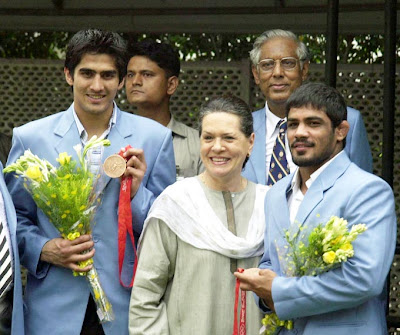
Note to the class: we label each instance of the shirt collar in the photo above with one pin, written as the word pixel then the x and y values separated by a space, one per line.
pixel 175 127
pixel 272 119
pixel 313 177
pixel 81 129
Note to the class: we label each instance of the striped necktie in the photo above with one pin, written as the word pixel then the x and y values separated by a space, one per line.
pixel 5 261
pixel 278 167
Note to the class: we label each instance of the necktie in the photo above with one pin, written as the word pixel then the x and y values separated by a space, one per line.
pixel 278 167
pixel 5 261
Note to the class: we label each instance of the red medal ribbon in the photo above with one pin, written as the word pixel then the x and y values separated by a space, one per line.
pixel 242 326
pixel 125 222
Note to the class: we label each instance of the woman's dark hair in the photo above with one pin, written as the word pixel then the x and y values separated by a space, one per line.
pixel 231 104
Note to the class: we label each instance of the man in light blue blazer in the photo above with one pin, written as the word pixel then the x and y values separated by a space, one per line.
pixel 11 304
pixel 351 298
pixel 56 302
pixel 278 81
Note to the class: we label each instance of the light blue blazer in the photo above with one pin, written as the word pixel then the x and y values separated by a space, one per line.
pixel 357 146
pixel 55 300
pixel 349 300
pixel 17 324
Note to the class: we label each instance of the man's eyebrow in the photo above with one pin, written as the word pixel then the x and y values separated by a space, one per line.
pixel 310 118
pixel 109 72
pixel 86 70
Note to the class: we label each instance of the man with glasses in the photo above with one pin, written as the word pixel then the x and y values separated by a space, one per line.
pixel 280 63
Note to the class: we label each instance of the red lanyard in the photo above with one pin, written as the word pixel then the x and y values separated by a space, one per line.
pixel 125 223
pixel 242 326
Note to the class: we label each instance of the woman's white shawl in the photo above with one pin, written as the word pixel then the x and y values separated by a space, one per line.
pixel 184 208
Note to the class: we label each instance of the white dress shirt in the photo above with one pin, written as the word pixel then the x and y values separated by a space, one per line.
pixel 296 196
pixel 271 135
pixel 94 155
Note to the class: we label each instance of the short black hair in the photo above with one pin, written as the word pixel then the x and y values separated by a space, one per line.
pixel 96 41
pixel 322 97
pixel 229 103
pixel 163 54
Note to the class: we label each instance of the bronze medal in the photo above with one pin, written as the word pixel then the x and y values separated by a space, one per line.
pixel 114 166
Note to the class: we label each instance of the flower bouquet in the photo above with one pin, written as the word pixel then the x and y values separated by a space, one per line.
pixel 67 195
pixel 323 249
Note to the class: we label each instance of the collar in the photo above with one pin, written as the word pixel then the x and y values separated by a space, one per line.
pixel 272 119
pixel 295 184
pixel 176 127
pixel 81 129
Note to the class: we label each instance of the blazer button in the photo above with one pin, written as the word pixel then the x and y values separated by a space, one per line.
pixel 95 238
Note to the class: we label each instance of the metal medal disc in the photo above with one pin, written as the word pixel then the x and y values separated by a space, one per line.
pixel 114 166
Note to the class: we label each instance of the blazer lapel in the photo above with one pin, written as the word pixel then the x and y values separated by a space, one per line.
pixel 325 180
pixel 118 137
pixel 8 206
pixel 67 135
pixel 282 215
pixel 257 159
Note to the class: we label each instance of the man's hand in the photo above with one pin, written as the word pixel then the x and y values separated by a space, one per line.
pixel 260 282
pixel 66 253
pixel 135 168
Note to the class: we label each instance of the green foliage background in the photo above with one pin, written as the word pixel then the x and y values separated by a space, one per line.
pixel 223 47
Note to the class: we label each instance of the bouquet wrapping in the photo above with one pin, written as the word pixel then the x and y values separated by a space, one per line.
pixel 324 248
pixel 68 196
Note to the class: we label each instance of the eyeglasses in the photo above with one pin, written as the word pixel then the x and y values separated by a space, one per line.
pixel 268 64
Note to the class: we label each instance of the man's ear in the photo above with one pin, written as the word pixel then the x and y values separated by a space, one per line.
pixel 341 130
pixel 304 71
pixel 121 84
pixel 173 83
pixel 255 74
pixel 68 77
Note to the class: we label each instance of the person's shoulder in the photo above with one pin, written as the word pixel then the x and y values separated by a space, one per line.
pixel 259 111
pixel 354 176
pixel 141 122
pixel 185 185
pixel 352 113
pixel 186 131
pixel 40 124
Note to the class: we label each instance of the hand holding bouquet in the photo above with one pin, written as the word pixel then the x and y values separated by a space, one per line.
pixel 322 250
pixel 67 195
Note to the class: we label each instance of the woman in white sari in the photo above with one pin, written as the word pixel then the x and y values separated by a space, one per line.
pixel 198 232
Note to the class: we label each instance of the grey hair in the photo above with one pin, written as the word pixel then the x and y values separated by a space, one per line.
pixel 301 51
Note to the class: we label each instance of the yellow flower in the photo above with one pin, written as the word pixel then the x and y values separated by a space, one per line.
pixel 54 195
pixel 329 257
pixel 73 236
pixel 336 240
pixel 63 158
pixel 82 207
pixel 346 247
pixel 33 172
pixel 63 216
